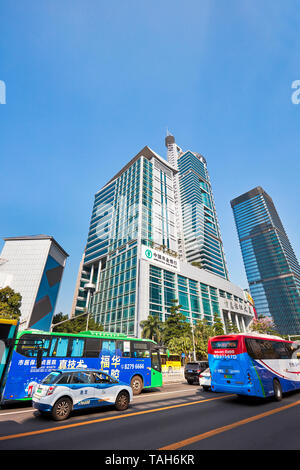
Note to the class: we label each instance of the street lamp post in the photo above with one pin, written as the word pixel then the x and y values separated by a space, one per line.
pixel 90 288
pixel 194 349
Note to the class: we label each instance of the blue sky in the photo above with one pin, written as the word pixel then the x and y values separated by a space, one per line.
pixel 90 83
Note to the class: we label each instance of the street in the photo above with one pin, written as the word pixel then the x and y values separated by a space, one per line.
pixel 174 417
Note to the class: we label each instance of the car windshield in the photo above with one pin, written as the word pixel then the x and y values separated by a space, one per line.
pixel 51 378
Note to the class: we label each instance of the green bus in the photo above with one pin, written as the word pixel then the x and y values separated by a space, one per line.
pixel 131 360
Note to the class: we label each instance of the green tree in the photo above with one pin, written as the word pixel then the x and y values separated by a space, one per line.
pixel 10 303
pixel 203 331
pixel 231 327
pixel 176 325
pixel 75 325
pixel 218 325
pixel 152 328
pixel 181 344
pixel 59 317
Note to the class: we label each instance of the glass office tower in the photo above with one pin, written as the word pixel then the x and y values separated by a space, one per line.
pixel 201 232
pixel 136 207
pixel 271 266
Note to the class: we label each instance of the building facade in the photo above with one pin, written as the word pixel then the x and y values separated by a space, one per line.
pixel 33 266
pixel 134 262
pixel 271 266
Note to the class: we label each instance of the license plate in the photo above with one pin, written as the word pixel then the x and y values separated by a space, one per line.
pixel 39 390
pixel 228 376
pixel 190 371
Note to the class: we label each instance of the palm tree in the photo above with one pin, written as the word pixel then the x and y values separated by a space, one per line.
pixel 152 328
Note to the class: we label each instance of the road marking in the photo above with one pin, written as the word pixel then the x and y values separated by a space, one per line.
pixel 161 393
pixel 111 418
pixel 214 432
pixel 16 412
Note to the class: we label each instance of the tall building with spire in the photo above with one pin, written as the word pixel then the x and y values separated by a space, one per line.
pixel 134 262
pixel 271 265
pixel 202 243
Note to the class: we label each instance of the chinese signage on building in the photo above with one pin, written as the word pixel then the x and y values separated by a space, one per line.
pixel 164 259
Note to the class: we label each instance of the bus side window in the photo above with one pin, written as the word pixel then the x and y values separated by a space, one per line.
pixel 76 347
pixel 45 345
pixel 109 346
pixel 139 349
pixel 283 350
pixel 253 348
pixel 92 347
pixel 295 350
pixel 268 350
pixel 120 349
pixel 28 345
pixel 59 346
pixel 126 348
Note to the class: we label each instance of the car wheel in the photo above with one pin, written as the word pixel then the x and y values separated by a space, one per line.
pixel 136 385
pixel 205 387
pixel 190 382
pixel 122 401
pixel 62 409
pixel 277 390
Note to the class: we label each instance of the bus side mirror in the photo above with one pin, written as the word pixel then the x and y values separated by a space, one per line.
pixel 39 358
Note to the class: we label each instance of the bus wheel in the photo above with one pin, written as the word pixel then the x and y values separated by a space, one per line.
pixel 61 409
pixel 277 390
pixel 136 385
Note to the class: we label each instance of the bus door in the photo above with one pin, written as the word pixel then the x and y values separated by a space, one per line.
pixel 8 331
pixel 155 368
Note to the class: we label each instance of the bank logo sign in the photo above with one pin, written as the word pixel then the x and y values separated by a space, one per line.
pixel 163 259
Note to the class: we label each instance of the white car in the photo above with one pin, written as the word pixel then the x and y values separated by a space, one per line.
pixel 62 391
pixel 205 379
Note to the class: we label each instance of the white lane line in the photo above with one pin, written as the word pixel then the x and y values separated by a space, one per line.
pixel 161 393
pixel 17 412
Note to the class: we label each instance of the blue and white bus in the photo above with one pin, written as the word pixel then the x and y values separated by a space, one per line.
pixel 130 360
pixel 254 365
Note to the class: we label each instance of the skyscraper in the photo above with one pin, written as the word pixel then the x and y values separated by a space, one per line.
pixel 134 262
pixel 271 266
pixel 202 238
